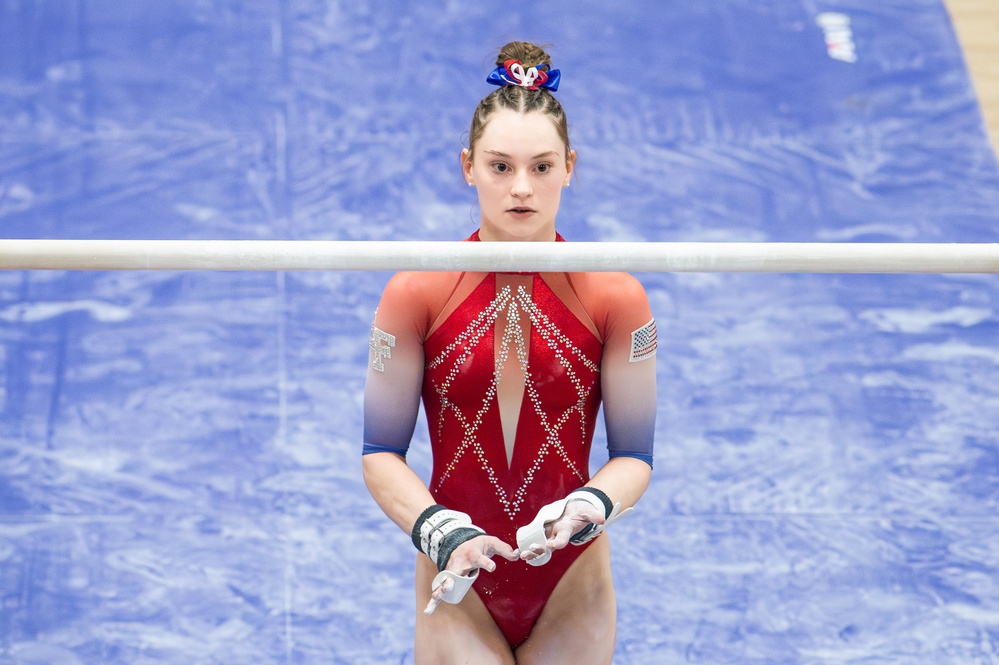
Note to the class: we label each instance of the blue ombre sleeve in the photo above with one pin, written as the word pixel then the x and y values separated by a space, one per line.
pixel 630 410
pixel 395 376
pixel 628 381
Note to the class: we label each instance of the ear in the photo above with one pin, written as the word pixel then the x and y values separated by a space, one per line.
pixel 466 166
pixel 570 167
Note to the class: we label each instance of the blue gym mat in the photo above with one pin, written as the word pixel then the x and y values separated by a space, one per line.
pixel 180 452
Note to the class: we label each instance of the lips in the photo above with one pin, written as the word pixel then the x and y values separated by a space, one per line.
pixel 521 210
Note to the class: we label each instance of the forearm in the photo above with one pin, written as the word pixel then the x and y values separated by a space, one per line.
pixel 623 479
pixel 396 488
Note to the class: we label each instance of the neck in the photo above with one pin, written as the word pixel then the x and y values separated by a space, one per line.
pixel 488 234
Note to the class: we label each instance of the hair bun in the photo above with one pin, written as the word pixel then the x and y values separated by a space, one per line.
pixel 530 55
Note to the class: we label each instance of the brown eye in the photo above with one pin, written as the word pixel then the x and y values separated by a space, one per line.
pixel 543 168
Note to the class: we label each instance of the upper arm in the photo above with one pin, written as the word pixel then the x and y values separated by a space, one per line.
pixel 395 366
pixel 628 370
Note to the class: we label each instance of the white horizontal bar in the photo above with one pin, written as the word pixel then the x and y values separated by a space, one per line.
pixel 499 256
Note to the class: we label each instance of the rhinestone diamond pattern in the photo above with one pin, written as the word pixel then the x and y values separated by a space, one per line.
pixel 561 393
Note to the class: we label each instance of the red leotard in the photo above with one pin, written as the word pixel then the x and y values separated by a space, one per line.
pixel 553 432
pixel 512 369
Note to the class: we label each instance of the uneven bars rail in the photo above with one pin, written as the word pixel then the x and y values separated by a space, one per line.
pixel 296 255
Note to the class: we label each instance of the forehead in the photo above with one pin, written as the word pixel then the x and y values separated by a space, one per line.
pixel 515 133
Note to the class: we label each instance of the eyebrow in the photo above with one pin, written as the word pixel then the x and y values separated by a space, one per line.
pixel 503 154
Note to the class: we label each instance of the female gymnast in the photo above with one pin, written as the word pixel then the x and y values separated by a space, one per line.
pixel 512 369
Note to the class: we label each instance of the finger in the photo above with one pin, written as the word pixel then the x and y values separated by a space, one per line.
pixel 437 595
pixel 431 606
pixel 503 549
pixel 439 591
pixel 558 542
pixel 485 563
pixel 561 534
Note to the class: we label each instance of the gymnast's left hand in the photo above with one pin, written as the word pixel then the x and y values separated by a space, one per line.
pixel 576 517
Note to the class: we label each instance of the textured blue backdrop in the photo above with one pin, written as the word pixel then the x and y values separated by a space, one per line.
pixel 179 452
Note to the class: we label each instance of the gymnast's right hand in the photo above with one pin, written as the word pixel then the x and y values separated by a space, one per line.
pixel 463 567
pixel 459 548
pixel 478 552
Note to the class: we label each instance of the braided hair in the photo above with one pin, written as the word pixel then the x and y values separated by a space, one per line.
pixel 518 98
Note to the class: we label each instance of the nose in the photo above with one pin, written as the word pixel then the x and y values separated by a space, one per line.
pixel 521 186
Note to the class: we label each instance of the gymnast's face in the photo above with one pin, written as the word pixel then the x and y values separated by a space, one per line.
pixel 519 168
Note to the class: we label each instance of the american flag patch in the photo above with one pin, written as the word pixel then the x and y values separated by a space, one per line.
pixel 644 342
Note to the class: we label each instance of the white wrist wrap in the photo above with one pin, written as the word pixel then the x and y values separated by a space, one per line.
pixel 437 533
pixel 437 527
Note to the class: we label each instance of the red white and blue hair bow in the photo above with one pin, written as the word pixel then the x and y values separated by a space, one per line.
pixel 513 72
